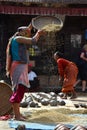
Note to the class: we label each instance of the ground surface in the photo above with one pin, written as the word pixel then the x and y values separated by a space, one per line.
pixel 47 114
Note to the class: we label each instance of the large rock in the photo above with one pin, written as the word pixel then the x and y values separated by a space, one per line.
pixel 53 103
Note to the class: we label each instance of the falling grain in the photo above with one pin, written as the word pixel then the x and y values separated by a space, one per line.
pixel 52 27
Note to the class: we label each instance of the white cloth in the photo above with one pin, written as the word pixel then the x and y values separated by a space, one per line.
pixel 31 75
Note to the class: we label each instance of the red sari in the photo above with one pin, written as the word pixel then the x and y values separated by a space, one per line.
pixel 67 70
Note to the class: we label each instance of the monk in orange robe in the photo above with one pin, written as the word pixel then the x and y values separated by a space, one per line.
pixel 67 73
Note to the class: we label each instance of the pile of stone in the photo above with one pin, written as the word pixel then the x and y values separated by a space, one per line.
pixel 41 98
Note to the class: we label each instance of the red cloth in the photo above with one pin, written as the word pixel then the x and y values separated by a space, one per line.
pixel 62 64
pixel 30 65
pixel 6 117
pixel 17 96
pixel 68 70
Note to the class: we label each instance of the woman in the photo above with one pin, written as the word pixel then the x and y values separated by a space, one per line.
pixel 67 73
pixel 17 65
pixel 82 65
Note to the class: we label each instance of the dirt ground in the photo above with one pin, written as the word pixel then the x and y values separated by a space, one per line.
pixel 54 115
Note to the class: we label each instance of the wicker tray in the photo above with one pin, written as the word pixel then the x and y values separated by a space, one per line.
pixel 41 21
pixel 5 93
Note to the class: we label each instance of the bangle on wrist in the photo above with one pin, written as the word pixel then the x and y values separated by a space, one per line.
pixel 33 40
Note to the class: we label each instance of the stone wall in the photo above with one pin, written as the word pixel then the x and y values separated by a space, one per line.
pixel 49 83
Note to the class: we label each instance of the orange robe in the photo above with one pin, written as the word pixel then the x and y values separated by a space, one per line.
pixel 68 70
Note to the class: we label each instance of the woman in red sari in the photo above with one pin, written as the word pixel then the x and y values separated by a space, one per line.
pixel 67 73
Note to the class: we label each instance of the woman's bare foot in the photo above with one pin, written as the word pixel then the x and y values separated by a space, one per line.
pixel 23 116
pixel 73 96
pixel 20 118
pixel 64 97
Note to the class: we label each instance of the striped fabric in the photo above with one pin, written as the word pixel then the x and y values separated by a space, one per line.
pixel 42 11
pixel 50 1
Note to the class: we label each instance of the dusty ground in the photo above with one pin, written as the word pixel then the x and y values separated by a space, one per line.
pixel 53 115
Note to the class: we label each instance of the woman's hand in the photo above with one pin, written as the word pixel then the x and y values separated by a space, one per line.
pixel 38 34
pixel 65 80
pixel 7 74
pixel 41 32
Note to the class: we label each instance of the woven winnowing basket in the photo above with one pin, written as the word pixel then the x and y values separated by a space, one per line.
pixel 40 21
pixel 5 93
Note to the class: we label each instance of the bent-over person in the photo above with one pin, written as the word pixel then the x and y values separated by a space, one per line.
pixel 67 73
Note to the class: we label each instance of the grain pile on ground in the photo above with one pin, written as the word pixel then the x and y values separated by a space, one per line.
pixel 49 116
pixel 56 115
